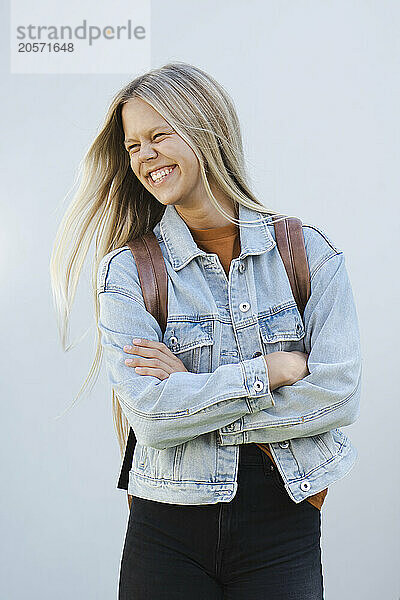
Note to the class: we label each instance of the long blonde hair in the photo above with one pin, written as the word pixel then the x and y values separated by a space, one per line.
pixel 111 205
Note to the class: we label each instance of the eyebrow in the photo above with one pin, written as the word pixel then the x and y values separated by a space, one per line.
pixel 150 131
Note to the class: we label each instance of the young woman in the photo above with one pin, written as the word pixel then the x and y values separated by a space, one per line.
pixel 237 407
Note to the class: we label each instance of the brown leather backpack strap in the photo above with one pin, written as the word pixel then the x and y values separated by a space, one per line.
pixel 153 279
pixel 290 241
pixel 152 275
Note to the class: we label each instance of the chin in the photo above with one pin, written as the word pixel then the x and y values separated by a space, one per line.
pixel 166 201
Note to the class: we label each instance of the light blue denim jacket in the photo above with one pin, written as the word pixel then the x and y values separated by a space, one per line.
pixel 189 426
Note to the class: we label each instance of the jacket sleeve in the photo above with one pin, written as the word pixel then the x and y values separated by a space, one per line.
pixel 165 413
pixel 329 397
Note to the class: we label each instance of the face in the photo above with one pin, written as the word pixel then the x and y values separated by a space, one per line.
pixel 153 144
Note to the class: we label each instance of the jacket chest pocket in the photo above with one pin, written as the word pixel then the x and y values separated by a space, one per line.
pixel 283 329
pixel 192 343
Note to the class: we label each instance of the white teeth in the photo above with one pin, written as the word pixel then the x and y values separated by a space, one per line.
pixel 156 175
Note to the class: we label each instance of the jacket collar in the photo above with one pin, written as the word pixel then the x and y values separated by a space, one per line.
pixel 181 248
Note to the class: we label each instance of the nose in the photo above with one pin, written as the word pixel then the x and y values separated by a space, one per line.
pixel 146 152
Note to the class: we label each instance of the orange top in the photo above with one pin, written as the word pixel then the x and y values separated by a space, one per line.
pixel 225 241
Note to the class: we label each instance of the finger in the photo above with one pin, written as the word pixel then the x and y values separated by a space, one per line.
pixel 150 344
pixel 154 372
pixel 167 357
pixel 154 363
pixel 149 348
pixel 142 350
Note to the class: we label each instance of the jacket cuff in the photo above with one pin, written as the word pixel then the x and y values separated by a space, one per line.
pixel 256 382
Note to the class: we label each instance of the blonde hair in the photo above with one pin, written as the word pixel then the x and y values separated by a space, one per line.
pixel 111 205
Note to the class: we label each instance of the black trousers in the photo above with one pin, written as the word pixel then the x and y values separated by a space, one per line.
pixel 261 545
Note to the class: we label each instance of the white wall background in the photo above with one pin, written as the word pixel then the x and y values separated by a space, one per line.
pixel 316 85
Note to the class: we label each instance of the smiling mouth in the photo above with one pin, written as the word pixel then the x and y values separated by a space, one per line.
pixel 160 180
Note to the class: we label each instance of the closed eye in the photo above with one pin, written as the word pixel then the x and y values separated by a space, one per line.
pixel 129 148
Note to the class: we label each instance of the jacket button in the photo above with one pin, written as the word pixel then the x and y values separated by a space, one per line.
pixel 173 340
pixel 258 386
pixel 284 444
pixel 244 306
pixel 242 267
pixel 305 485
pixel 230 427
pixel 257 354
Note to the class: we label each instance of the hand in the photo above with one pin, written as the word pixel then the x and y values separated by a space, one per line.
pixel 285 368
pixel 297 366
pixel 153 358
